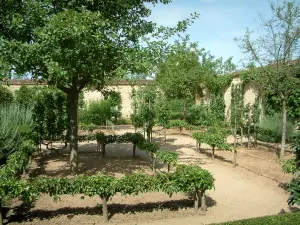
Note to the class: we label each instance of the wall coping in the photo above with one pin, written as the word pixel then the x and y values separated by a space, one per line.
pixel 114 83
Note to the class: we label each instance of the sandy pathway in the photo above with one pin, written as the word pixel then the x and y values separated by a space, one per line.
pixel 239 193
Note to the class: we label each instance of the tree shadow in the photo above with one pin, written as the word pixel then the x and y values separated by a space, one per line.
pixel 25 213
pixel 118 160
pixel 208 153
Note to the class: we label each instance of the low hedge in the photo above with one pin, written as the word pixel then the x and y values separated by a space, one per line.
pixel 282 219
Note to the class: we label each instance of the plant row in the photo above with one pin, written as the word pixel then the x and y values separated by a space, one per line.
pixel 185 179
pixel 137 139
pixel 215 137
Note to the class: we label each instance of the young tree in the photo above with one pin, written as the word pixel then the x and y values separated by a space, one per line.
pixel 275 52
pixel 179 75
pixel 76 44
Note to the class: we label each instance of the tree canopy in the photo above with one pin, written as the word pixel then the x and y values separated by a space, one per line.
pixel 276 54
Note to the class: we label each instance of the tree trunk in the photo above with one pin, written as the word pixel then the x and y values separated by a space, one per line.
pixel 1 215
pixel 213 152
pixel 184 109
pixel 196 200
pixel 283 136
pixel 148 135
pixel 165 134
pixel 197 145
pixel 203 201
pixel 169 167
pixel 248 145
pixel 133 150
pixel 234 157
pixel 242 133
pixel 104 209
pixel 73 109
pixel 103 149
pixel 180 130
pixel 153 161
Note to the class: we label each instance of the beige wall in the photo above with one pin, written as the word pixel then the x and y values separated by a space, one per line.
pixel 124 89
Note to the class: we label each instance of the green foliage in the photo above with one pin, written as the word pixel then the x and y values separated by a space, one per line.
pixel 25 95
pixel 144 108
pixel 207 115
pixel 272 104
pixel 289 166
pixel 50 114
pixel 162 110
pixel 6 96
pixel 191 178
pixel 149 147
pixel 215 137
pixel 97 112
pixel 237 105
pixel 167 157
pixel 176 107
pixel 270 129
pixel 136 183
pixel 281 219
pixel 178 124
pixel 10 187
pixel 14 121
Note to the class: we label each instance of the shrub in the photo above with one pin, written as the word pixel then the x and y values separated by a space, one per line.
pixel 25 96
pixel 96 112
pixel 6 96
pixel 270 129
pixel 283 219
pixel 14 119
pixel 199 115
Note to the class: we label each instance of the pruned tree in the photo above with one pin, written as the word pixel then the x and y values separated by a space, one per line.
pixel 276 52
pixel 77 44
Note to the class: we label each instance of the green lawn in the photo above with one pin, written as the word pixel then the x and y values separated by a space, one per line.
pixel 282 219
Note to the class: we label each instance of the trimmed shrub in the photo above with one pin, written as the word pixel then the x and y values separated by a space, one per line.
pixel 283 219
pixel 25 95
pixel 6 96
pixel 270 129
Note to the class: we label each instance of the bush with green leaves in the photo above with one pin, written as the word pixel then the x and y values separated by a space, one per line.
pixel 6 96
pixel 293 166
pixel 10 185
pixel 15 124
pixel 281 219
pixel 96 112
pixel 215 137
pixel 200 115
pixel 25 95
pixel 50 115
pixel 180 124
pixel 167 157
pixel 270 129
pixel 185 179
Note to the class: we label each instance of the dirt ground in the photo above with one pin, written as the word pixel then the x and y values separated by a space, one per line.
pixel 252 189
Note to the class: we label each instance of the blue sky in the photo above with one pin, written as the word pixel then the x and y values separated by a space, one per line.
pixel 219 23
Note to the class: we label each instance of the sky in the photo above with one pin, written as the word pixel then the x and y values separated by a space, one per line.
pixel 220 21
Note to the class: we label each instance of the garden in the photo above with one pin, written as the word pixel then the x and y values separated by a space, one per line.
pixel 67 160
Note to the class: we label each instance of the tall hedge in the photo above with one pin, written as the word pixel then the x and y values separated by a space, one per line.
pixel 6 96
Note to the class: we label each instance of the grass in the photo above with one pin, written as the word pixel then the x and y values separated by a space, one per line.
pixel 282 219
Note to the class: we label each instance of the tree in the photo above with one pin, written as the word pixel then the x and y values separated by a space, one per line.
pixel 162 112
pixel 179 75
pixel 275 52
pixel 186 69
pixel 77 44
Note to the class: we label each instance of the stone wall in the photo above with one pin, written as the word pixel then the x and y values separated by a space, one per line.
pixel 251 91
pixel 123 87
